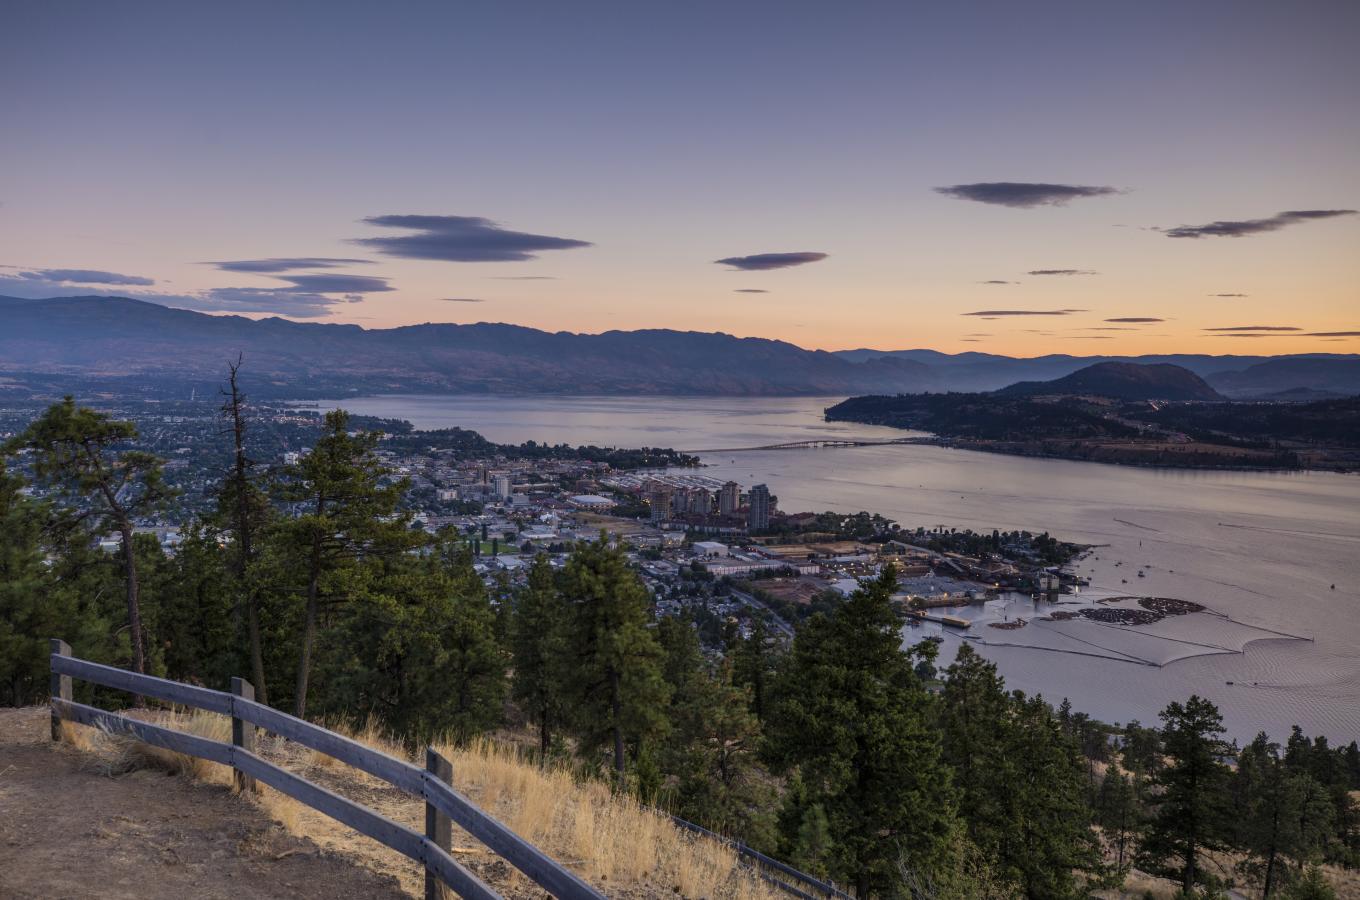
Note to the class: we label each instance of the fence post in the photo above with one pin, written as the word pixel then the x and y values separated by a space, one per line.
pixel 61 686
pixel 438 827
pixel 242 732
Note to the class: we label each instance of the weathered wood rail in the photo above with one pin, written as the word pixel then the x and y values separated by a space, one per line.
pixel 788 879
pixel 443 804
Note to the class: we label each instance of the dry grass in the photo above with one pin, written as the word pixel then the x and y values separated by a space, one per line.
pixel 116 754
pixel 608 838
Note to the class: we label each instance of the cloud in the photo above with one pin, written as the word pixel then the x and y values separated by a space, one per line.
pixel 1087 337
pixel 523 277
pixel 85 276
pixel 1023 194
pixel 460 239
pixel 1135 319
pixel 1331 334
pixel 462 300
pixel 279 301
pixel 1107 328
pixel 750 291
pixel 1257 328
pixel 1258 335
pixel 1062 272
pixel 1229 295
pixel 285 264
pixel 994 281
pixel 761 262
pixel 1244 227
pixel 998 313
pixel 336 284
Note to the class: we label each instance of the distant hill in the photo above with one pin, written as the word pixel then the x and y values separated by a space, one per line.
pixel 1281 376
pixel 972 371
pixel 1121 381
pixel 134 348
pixel 117 341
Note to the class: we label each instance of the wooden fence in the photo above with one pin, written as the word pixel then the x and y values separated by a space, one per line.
pixel 783 876
pixel 443 805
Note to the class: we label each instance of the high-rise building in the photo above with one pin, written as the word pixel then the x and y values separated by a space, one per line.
pixel 659 499
pixel 729 499
pixel 701 501
pixel 680 500
pixel 503 487
pixel 760 505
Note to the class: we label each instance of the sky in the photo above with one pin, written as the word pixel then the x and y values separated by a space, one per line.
pixel 1019 178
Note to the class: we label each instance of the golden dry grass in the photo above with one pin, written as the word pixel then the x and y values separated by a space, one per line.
pixel 608 838
pixel 116 754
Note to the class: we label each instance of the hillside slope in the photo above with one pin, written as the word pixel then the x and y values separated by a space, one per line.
pixel 1121 381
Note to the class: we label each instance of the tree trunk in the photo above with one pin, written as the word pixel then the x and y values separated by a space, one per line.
pixel 133 606
pixel 244 535
pixel 309 629
pixel 616 704
pixel 544 738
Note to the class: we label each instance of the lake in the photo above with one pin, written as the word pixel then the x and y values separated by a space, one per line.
pixel 1263 548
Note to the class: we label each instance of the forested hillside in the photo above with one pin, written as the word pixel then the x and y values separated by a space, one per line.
pixel 838 751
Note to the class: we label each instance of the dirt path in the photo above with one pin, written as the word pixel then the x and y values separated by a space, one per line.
pixel 68 831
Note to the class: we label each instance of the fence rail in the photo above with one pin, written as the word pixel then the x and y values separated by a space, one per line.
pixel 758 859
pixel 443 804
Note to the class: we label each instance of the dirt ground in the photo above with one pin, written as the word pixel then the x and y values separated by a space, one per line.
pixel 67 830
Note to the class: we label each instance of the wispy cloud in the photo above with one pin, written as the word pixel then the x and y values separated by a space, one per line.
pixel 1135 320
pixel 994 281
pixel 750 291
pixel 1062 272
pixel 460 239
pixel 278 264
pixel 336 284
pixel 1256 328
pixel 84 276
pixel 462 300
pixel 761 262
pixel 1229 295
pixel 1000 313
pixel 1086 337
pixel 523 277
pixel 1023 194
pixel 1245 227
pixel 1107 328
pixel 1331 334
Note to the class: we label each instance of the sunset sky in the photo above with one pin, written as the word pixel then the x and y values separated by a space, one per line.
pixel 837 175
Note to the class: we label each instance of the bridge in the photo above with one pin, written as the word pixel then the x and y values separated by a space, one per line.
pixel 817 444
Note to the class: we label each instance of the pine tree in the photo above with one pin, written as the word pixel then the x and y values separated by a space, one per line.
pixel 82 454
pixel 349 511
pixel 1020 777
pixel 853 720
pixel 1188 819
pixel 538 635
pixel 753 667
pixel 617 693
pixel 1120 814
pixel 195 605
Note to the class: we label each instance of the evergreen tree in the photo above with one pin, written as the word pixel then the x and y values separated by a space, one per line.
pixel 1120 814
pixel 194 611
pixel 82 454
pixel 538 634
pixel 753 667
pixel 853 719
pixel 416 648
pixel 1020 777
pixel 39 601
pixel 348 511
pixel 617 693
pixel 1188 818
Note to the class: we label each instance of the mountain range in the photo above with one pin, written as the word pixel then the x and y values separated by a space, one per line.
pixel 131 345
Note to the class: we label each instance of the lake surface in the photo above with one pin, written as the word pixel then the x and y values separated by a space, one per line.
pixel 1263 548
